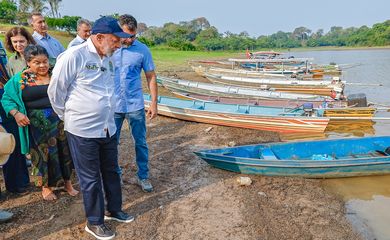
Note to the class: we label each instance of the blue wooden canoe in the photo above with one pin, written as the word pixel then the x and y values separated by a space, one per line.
pixel 310 159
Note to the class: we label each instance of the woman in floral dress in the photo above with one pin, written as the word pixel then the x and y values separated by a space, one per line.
pixel 25 98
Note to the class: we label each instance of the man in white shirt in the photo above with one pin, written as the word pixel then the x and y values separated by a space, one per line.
pixel 83 32
pixel 81 92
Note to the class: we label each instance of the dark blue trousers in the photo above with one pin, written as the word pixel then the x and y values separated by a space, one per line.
pixel 15 171
pixel 96 164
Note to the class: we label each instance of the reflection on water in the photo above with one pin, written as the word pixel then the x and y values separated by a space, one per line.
pixel 357 128
pixel 373 213
pixel 336 129
pixel 363 188
pixel 367 202
pixel 367 198
pixel 301 136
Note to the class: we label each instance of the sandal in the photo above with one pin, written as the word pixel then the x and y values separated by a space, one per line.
pixel 48 194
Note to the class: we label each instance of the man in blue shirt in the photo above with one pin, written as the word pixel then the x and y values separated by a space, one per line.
pixel 41 37
pixel 130 60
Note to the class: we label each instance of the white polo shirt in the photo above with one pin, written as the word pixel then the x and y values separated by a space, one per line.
pixel 81 91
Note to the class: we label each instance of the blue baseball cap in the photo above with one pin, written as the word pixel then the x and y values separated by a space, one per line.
pixel 109 25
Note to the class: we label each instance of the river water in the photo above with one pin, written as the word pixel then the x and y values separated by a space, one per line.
pixel 367 198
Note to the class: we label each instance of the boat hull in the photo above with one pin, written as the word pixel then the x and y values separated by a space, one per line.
pixel 283 124
pixel 178 85
pixel 304 172
pixel 333 109
pixel 312 159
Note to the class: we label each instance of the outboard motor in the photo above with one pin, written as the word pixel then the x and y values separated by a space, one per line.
pixel 308 109
pixel 357 100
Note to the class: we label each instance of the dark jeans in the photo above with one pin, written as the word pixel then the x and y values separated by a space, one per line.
pixel 15 171
pixel 96 164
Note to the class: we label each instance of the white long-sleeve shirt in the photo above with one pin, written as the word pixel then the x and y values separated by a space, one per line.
pixel 81 91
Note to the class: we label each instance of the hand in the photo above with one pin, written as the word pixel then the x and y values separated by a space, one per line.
pixel 152 111
pixel 21 119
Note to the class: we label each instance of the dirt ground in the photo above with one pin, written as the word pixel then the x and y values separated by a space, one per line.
pixel 191 199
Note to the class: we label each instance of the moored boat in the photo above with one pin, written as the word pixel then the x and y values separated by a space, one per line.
pixel 316 87
pixel 310 159
pixel 179 85
pixel 244 116
pixel 331 109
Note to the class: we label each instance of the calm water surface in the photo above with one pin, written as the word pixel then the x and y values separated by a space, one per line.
pixel 367 198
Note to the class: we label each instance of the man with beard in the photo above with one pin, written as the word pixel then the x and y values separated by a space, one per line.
pixel 130 60
pixel 81 92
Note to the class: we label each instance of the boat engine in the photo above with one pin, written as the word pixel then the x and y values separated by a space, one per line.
pixel 308 109
pixel 357 100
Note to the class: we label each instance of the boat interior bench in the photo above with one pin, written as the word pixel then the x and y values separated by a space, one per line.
pixel 268 154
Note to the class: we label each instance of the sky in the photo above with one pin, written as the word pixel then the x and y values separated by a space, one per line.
pixel 257 17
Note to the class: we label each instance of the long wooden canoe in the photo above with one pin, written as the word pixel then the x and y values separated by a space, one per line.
pixel 331 109
pixel 200 70
pixel 178 85
pixel 316 87
pixel 244 116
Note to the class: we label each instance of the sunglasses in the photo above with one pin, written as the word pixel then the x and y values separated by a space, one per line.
pixel 134 36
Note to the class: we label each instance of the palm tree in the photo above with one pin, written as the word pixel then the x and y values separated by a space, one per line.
pixel 54 6
pixel 32 5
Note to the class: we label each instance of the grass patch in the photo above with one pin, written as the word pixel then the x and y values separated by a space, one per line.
pixel 170 59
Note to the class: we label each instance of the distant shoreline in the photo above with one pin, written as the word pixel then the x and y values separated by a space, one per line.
pixel 333 48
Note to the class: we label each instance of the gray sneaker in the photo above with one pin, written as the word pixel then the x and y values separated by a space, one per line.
pixel 5 216
pixel 145 185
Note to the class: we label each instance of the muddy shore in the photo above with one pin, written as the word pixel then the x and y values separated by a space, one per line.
pixel 191 199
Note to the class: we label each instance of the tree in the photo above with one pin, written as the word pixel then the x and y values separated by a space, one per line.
pixel 32 6
pixel 54 7
pixel 8 10
pixel 141 28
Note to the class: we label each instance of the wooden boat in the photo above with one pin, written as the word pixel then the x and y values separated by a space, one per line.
pixel 244 116
pixel 178 85
pixel 200 70
pixel 316 87
pixel 287 103
pixel 285 82
pixel 300 64
pixel 331 109
pixel 310 159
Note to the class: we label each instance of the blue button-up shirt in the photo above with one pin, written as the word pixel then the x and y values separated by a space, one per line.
pixel 129 62
pixel 52 45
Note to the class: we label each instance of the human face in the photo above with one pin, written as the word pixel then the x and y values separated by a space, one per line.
pixel 108 44
pixel 84 31
pixel 128 41
pixel 39 65
pixel 39 24
pixel 19 43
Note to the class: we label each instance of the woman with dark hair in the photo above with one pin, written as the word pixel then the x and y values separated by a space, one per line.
pixel 15 172
pixel 16 40
pixel 25 98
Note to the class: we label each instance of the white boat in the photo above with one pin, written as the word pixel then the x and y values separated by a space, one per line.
pixel 178 85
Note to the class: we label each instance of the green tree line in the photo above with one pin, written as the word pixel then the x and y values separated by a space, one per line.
pixel 199 34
